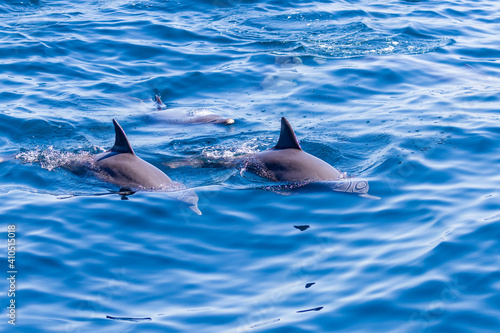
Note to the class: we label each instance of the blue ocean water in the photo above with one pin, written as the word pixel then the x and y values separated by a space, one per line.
pixel 402 93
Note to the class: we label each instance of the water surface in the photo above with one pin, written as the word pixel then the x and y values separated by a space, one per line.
pixel 401 93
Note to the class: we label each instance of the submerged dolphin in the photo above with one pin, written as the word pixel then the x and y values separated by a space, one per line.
pixel 287 162
pixel 196 116
pixel 121 166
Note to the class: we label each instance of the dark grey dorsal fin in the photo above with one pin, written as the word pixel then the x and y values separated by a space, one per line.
pixel 121 142
pixel 287 136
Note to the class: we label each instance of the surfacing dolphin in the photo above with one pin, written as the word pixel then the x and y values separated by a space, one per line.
pixel 196 116
pixel 122 167
pixel 287 162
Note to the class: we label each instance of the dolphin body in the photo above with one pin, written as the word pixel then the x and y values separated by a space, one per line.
pixel 287 162
pixel 122 167
pixel 197 116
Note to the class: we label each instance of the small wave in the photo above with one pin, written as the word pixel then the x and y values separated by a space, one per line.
pixel 324 34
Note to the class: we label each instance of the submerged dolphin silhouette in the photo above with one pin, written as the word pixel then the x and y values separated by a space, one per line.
pixel 121 166
pixel 287 162
pixel 200 116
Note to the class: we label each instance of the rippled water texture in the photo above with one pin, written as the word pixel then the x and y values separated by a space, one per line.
pixel 403 94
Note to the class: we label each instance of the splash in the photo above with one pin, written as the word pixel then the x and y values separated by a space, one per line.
pixel 224 153
pixel 199 112
pixel 51 158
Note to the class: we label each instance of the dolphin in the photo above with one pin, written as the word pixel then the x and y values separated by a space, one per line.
pixel 196 116
pixel 287 162
pixel 121 166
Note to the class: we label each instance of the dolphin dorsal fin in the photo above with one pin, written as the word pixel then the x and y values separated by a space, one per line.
pixel 287 136
pixel 121 142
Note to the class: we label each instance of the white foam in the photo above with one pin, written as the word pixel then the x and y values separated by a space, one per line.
pixel 226 153
pixel 51 158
